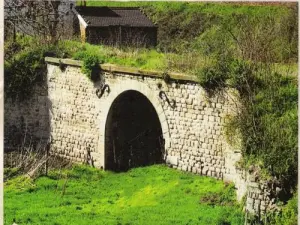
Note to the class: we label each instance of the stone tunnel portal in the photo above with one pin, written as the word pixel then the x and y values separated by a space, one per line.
pixel 133 133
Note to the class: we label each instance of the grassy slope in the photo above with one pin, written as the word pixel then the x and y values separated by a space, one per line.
pixel 217 8
pixel 150 195
pixel 150 59
pixel 191 60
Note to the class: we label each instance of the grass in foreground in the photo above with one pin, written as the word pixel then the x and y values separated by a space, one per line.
pixel 149 195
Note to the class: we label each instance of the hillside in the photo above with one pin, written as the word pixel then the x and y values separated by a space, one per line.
pixel 206 28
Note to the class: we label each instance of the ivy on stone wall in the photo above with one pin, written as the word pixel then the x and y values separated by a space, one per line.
pixel 22 72
pixel 25 67
pixel 267 121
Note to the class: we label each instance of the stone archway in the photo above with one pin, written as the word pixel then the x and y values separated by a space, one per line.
pixel 144 92
pixel 133 134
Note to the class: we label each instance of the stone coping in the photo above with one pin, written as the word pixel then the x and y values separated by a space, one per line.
pixel 124 69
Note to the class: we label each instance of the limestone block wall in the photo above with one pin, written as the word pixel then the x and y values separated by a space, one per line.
pixel 192 122
pixel 27 122
pixel 261 196
pixel 193 125
pixel 196 128
pixel 75 114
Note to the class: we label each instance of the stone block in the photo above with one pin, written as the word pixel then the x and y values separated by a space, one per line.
pixel 204 170
pixel 208 160
pixel 184 168
pixel 173 160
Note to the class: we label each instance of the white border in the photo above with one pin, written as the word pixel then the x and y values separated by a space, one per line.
pixel 1 108
pixel 2 86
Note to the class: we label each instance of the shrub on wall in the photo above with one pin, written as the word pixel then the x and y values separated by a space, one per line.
pixel 211 78
pixel 267 120
pixel 288 215
pixel 90 65
pixel 24 65
pixel 22 72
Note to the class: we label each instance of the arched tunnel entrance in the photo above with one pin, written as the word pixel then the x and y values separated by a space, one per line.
pixel 133 133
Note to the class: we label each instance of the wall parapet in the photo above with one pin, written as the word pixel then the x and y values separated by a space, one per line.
pixel 125 69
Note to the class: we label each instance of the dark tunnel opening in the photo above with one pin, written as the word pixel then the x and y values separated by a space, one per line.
pixel 133 133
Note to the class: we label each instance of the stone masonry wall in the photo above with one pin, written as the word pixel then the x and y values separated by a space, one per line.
pixel 27 122
pixel 193 123
pixel 75 114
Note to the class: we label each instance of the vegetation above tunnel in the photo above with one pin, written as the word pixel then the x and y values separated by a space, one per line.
pixel 260 33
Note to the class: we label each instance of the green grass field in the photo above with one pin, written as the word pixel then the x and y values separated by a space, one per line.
pixel 149 195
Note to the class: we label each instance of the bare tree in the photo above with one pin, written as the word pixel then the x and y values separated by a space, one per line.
pixel 36 18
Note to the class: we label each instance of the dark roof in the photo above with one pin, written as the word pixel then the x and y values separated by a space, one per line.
pixel 113 16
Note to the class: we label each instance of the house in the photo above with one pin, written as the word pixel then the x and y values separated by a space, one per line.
pixel 115 26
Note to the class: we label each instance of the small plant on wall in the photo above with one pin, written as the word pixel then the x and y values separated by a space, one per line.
pixel 90 65
pixel 166 77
